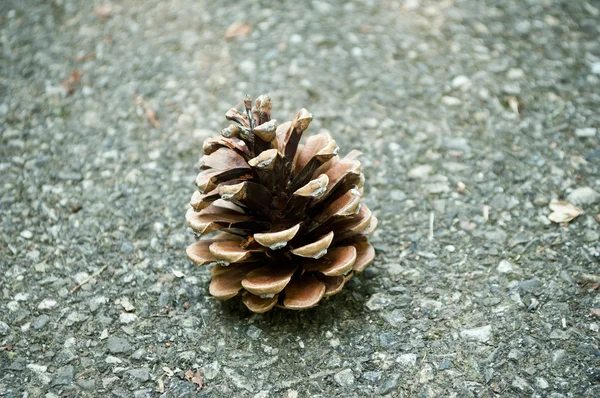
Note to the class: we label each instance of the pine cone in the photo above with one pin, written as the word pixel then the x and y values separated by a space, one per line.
pixel 292 228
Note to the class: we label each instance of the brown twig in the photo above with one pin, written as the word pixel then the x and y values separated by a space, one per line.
pixel 148 112
pixel 544 247
pixel 89 278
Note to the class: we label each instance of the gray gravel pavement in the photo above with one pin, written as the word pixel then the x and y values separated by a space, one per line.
pixel 473 117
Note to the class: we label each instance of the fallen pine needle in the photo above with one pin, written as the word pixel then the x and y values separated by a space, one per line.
pixel 89 278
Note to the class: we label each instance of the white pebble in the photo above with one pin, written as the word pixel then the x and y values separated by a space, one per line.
pixel 112 360
pixel 420 172
pixel 505 267
pixel 583 196
pixel 21 296
pixel 407 359
pixel 515 73
pixel 296 39
pixel 451 101
pixel 344 378
pixel 47 304
pixel 481 334
pixel 127 317
pixel 586 132
pixel 248 67
pixel 461 81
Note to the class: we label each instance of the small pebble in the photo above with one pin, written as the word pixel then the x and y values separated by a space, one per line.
pixel 583 196
pixel 420 172
pixel 407 360
pixel 534 305
pixel 511 89
pixel 515 73
pixel 481 334
pixel 64 376
pixel 451 101
pixel 247 67
pixel 586 132
pixel 541 383
pixel 253 332
pixel 4 329
pixel 426 374
pixel 520 384
pixel 344 378
pixel 127 317
pixel 47 304
pixel 41 321
pixel 140 374
pixel 515 355
pixel 378 301
pixel 461 82
pixel 118 345
pixel 389 384
pixel 505 267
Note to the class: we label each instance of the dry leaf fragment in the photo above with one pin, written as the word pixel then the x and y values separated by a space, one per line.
pixel 238 29
pixel 563 212
pixel 595 312
pixel 590 282
pixel 198 379
pixel 161 386
pixel 195 378
pixel 71 82
pixel 104 11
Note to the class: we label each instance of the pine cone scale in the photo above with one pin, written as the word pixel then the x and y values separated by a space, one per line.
pixel 333 284
pixel 199 252
pixel 227 281
pixel 304 292
pixel 214 143
pixel 230 251
pixel 338 262
pixel 276 240
pixel 364 254
pixel 259 304
pixel 316 249
pixel 268 280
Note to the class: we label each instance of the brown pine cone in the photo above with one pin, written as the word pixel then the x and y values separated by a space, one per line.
pixel 292 228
